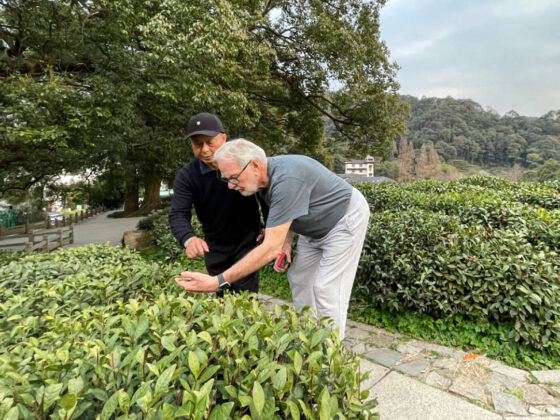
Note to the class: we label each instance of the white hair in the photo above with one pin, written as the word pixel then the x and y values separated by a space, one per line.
pixel 240 150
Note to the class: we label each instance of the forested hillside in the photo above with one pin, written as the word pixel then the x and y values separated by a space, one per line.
pixel 463 129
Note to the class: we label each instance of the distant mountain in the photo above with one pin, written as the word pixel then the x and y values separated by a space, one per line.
pixel 463 129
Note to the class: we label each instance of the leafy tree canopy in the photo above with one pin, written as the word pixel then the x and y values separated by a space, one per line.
pixel 110 85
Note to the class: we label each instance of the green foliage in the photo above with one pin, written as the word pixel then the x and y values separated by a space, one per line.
pixel 162 237
pixel 548 171
pixel 98 331
pixel 274 284
pixel 461 129
pixel 480 247
pixel 110 85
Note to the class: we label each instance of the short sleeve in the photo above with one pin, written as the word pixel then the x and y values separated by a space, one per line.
pixel 289 199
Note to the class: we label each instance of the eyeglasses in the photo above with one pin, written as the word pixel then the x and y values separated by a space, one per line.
pixel 234 179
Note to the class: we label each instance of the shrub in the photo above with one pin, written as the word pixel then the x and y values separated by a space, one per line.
pixel 161 233
pixel 432 263
pixel 98 331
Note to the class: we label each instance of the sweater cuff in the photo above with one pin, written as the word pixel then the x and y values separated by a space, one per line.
pixel 187 241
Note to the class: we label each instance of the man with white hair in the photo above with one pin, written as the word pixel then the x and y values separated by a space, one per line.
pixel 306 198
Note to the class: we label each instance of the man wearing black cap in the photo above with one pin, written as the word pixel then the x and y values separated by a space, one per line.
pixel 230 221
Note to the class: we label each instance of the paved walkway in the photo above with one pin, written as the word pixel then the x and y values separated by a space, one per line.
pixel 101 229
pixel 419 380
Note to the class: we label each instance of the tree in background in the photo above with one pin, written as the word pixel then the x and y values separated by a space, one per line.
pixel 462 129
pixel 428 164
pixel 549 171
pixel 109 86
pixel 406 160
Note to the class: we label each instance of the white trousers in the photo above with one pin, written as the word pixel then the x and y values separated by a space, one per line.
pixel 323 271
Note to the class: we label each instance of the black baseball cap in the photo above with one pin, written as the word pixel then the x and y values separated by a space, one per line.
pixel 204 123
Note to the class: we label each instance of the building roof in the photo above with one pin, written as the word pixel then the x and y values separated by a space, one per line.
pixel 363 161
pixel 351 178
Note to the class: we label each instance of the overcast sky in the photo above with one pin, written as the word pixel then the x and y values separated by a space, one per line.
pixel 503 54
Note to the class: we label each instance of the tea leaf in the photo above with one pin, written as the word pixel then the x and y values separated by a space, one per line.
pixel 68 401
pixel 110 406
pixel 163 381
pixel 258 397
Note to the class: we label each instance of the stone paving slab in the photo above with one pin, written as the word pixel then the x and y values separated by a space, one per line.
pixel 470 389
pixel 547 376
pixel 381 340
pixel 357 346
pixel 408 348
pixel 404 398
pixel 531 418
pixel 536 395
pixel 413 368
pixel 500 380
pixel 385 357
pixel 437 381
pixel 357 334
pixel 515 373
pixel 354 324
pixel 446 351
pixel 506 403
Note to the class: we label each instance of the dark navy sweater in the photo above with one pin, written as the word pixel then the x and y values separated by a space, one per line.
pixel 225 214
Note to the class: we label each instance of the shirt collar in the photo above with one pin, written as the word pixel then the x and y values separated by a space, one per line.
pixel 204 169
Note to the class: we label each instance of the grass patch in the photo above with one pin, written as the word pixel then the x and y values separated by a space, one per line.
pixel 274 284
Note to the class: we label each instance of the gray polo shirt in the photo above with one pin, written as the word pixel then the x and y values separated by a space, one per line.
pixel 303 191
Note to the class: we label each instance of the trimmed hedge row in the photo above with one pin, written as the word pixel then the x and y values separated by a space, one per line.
pixel 98 332
pixel 433 264
pixel 475 247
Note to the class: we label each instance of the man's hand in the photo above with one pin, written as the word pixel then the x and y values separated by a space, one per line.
pixel 286 249
pixel 196 247
pixel 288 259
pixel 192 281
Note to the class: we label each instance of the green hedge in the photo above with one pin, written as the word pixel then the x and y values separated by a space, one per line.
pixel 433 264
pixel 479 247
pixel 161 235
pixel 98 332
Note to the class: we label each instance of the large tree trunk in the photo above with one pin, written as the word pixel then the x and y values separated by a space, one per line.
pixel 131 195
pixel 152 185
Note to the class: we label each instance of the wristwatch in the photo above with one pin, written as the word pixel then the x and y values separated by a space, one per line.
pixel 222 283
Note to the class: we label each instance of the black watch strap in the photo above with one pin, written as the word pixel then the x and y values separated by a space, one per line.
pixel 222 283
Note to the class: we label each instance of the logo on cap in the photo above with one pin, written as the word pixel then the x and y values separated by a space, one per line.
pixel 198 123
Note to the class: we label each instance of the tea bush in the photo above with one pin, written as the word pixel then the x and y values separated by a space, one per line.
pixel 99 332
pixel 161 234
pixel 475 247
pixel 432 263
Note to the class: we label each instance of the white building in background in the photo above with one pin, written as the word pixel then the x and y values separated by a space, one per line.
pixel 363 167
